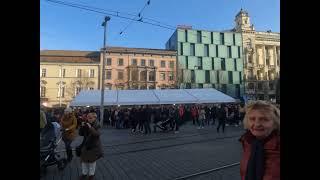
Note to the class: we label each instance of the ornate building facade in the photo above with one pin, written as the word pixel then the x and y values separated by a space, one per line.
pixel 261 59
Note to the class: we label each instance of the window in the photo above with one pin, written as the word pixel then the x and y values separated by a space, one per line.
pixel 162 76
pixel 152 76
pixel 143 76
pixel 171 76
pixel 91 73
pixel 211 37
pixel 206 50
pixel 78 73
pixel 235 64
pixel 237 89
pixel 109 61
pixel 134 75
pixel 43 91
pixel 181 48
pixel 187 64
pixel 221 38
pixel 171 64
pixel 120 75
pixel 224 88
pixel 217 51
pixel 151 63
pixel 186 35
pixel 223 64
pixel 207 76
pixel 91 88
pixel 61 92
pixel 108 74
pixel 267 61
pixel 193 76
pixel 260 86
pixel 271 86
pixel 230 77
pixel 134 62
pixel 198 36
pixel 62 73
pixel 238 51
pixel 199 62
pixel 250 86
pixel 163 64
pixel 240 77
pixel 229 51
pixel 77 90
pixel 120 62
pixel 192 49
pixel 200 85
pixel 218 77
pixel 234 39
pixel 43 72
pixel 212 61
pixel 143 62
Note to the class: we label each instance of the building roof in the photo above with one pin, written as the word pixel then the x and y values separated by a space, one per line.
pixel 112 49
pixel 242 12
pixel 71 56
pixel 67 56
pixel 69 53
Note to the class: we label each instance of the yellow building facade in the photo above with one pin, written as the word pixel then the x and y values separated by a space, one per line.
pixel 63 74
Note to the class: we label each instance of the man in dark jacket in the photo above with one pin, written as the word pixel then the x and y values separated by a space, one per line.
pixel 146 119
pixel 221 117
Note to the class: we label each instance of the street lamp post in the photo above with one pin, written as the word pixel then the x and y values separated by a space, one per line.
pixel 104 24
pixel 60 85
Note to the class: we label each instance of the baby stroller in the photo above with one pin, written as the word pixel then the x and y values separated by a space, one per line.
pixel 50 137
pixel 163 125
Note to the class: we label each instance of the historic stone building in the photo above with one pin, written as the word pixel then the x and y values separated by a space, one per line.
pixel 261 58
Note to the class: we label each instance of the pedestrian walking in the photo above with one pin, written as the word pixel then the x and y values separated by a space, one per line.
pixel 221 115
pixel 69 125
pixel 202 117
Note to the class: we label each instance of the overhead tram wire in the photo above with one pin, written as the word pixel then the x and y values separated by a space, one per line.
pixel 139 16
pixel 116 14
pixel 110 14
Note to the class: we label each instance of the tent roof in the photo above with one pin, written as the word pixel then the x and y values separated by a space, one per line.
pixel 143 97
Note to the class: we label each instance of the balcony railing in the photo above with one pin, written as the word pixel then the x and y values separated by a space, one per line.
pixel 260 66
pixel 272 66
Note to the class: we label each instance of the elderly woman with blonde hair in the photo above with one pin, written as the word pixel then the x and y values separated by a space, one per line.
pixel 261 142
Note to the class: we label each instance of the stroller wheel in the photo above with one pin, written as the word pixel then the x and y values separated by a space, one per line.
pixel 62 164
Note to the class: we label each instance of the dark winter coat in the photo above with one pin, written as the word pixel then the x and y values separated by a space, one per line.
pixel 92 147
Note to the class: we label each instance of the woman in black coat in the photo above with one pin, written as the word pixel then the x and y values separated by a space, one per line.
pixel 91 147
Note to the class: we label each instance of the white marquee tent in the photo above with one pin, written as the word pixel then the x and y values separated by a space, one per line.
pixel 155 96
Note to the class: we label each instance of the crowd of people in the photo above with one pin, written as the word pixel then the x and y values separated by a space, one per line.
pixel 143 118
pixel 261 120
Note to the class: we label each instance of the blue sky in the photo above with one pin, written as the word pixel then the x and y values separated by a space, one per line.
pixel 67 28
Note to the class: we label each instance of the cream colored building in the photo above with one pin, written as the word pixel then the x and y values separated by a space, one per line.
pixel 63 74
pixel 261 58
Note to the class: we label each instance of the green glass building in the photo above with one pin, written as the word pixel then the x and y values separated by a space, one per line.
pixel 207 59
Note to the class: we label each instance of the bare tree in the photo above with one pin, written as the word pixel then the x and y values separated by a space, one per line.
pixel 83 83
